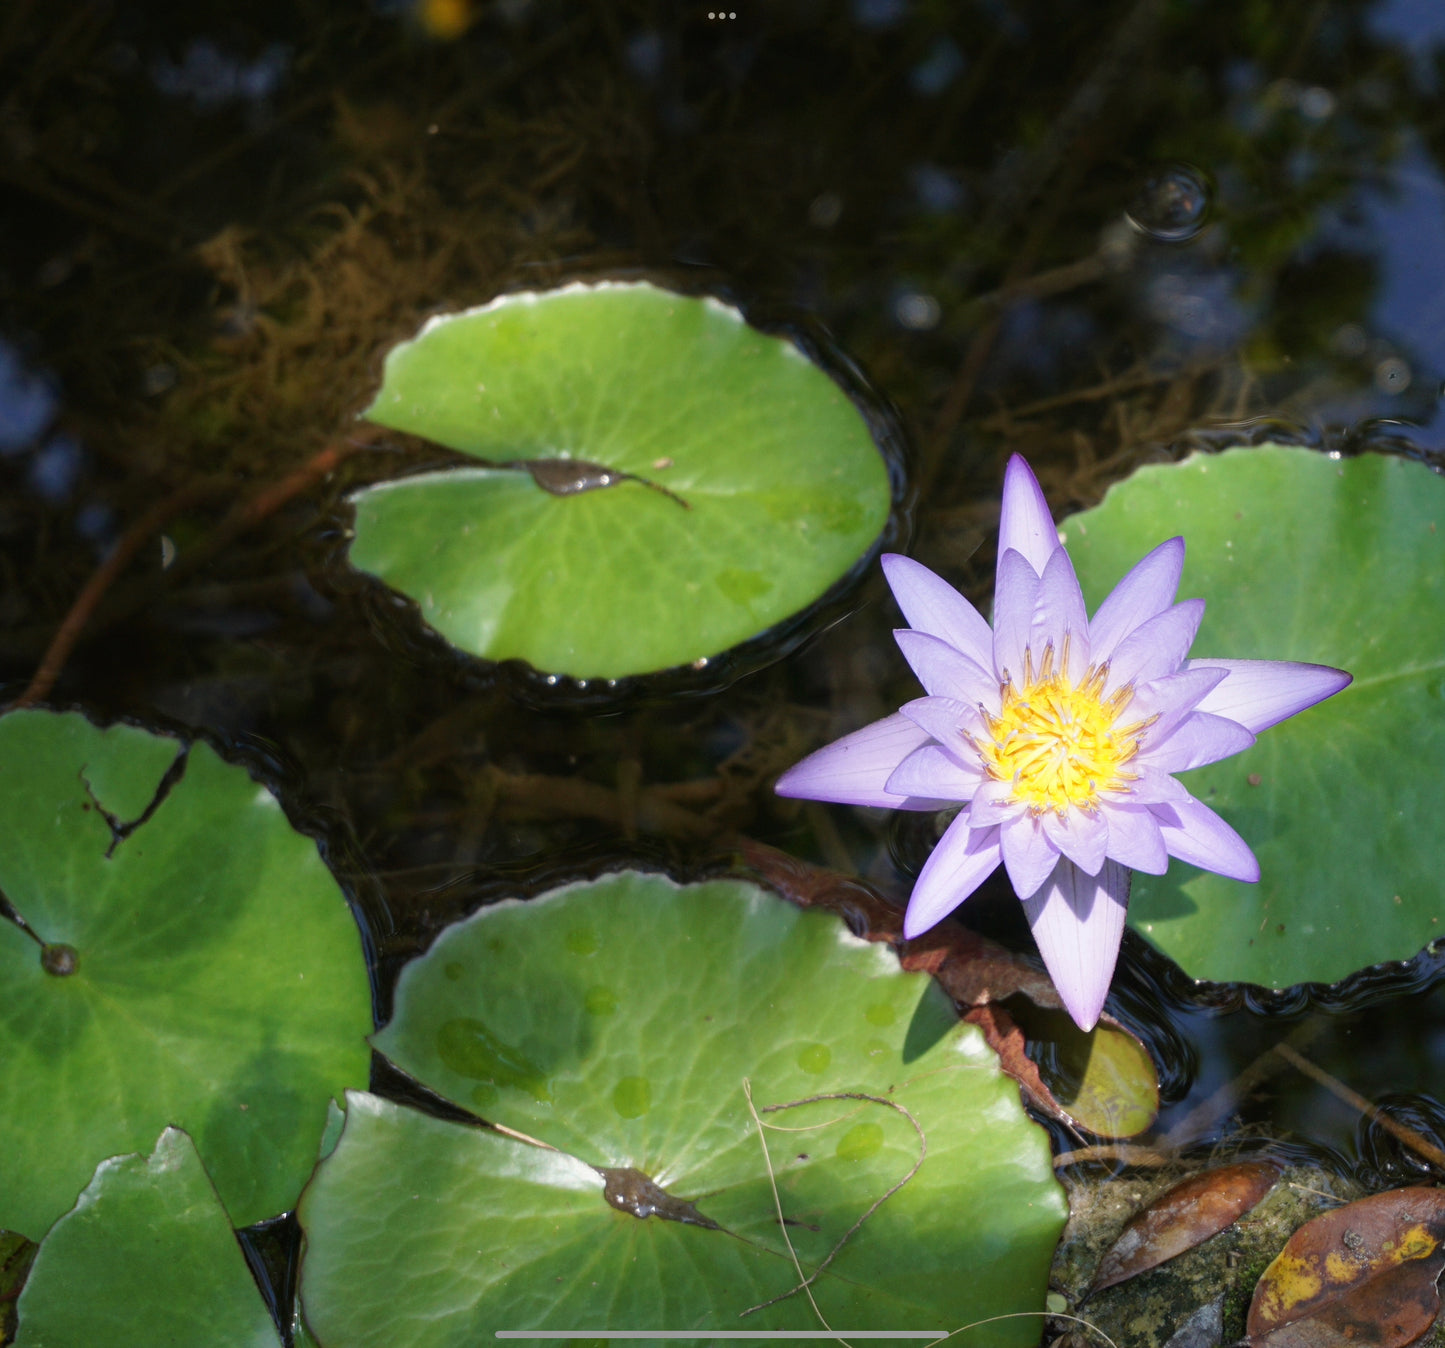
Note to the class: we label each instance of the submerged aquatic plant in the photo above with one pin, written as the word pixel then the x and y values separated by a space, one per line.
pixel 1059 735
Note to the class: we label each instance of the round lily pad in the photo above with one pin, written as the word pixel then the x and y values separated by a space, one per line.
pixel 692 482
pixel 200 968
pixel 624 1022
pixel 146 1257
pixel 1341 562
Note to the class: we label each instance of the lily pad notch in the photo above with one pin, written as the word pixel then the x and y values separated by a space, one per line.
pixel 656 481
pixel 184 957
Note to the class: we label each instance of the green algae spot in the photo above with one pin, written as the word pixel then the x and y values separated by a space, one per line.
pixel 469 1048
pixel 742 587
pixel 581 941
pixel 881 1014
pixel 860 1142
pixel 632 1097
pixel 815 1058
pixel 600 1001
pixel 453 970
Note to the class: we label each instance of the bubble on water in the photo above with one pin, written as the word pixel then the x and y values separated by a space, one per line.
pixel 1392 375
pixel 916 311
pixel 1171 206
pixel 825 210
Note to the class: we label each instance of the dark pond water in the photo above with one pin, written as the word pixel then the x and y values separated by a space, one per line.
pixel 1096 234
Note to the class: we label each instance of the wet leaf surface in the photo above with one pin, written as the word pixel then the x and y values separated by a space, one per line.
pixel 1184 1216
pixel 1365 1273
pixel 146 1257
pixel 1113 1089
pixel 217 979
pixel 720 481
pixel 1348 878
pixel 619 1020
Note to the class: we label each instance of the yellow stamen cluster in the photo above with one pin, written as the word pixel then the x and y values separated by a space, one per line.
pixel 1060 743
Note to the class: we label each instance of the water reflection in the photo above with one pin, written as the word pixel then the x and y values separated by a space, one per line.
pixel 1093 233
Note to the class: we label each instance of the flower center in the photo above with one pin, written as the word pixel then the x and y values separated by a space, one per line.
pixel 1059 742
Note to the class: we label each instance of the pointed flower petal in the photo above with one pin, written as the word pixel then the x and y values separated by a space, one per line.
pixel 964 858
pixel 1144 593
pixel 1194 833
pixel 1025 524
pixel 932 605
pixel 1147 785
pixel 932 774
pixel 854 769
pixel 1170 699
pixel 1157 647
pixel 1060 618
pixel 1135 840
pixel 1013 614
pixel 1028 853
pixel 993 804
pixel 1078 921
pixel 1083 838
pixel 1262 693
pixel 949 721
pixel 944 671
pixel 1199 739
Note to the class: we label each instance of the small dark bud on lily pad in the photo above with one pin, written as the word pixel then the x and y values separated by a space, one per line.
pixel 59 960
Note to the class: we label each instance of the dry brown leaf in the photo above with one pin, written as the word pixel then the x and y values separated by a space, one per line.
pixel 1363 1274
pixel 1183 1217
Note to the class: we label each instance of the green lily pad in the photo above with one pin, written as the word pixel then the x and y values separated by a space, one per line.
pixel 147 1256
pixel 623 1022
pixel 217 976
pixel 744 480
pixel 1337 562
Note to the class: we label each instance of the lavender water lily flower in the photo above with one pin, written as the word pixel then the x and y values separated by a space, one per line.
pixel 1059 734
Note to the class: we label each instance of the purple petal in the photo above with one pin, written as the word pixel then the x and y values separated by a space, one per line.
pixel 950 722
pixel 1135 840
pixel 1262 693
pixel 944 671
pixel 1148 786
pixel 1077 922
pixel 1144 593
pixel 1199 739
pixel 1025 524
pixel 932 774
pixel 1157 647
pixel 1080 836
pixel 1013 615
pixel 1060 617
pixel 964 858
pixel 1028 853
pixel 854 769
pixel 932 605
pixel 1194 833
pixel 993 804
pixel 1170 699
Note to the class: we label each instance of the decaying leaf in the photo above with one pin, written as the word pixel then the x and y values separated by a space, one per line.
pixel 1118 1093
pixel 1364 1274
pixel 1183 1217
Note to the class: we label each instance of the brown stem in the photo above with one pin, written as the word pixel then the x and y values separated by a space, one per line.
pixel 105 575
pixel 1420 1145
pixel 241 519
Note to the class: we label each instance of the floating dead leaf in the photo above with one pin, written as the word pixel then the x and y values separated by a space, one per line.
pixel 1364 1274
pixel 1113 1090
pixel 1183 1217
